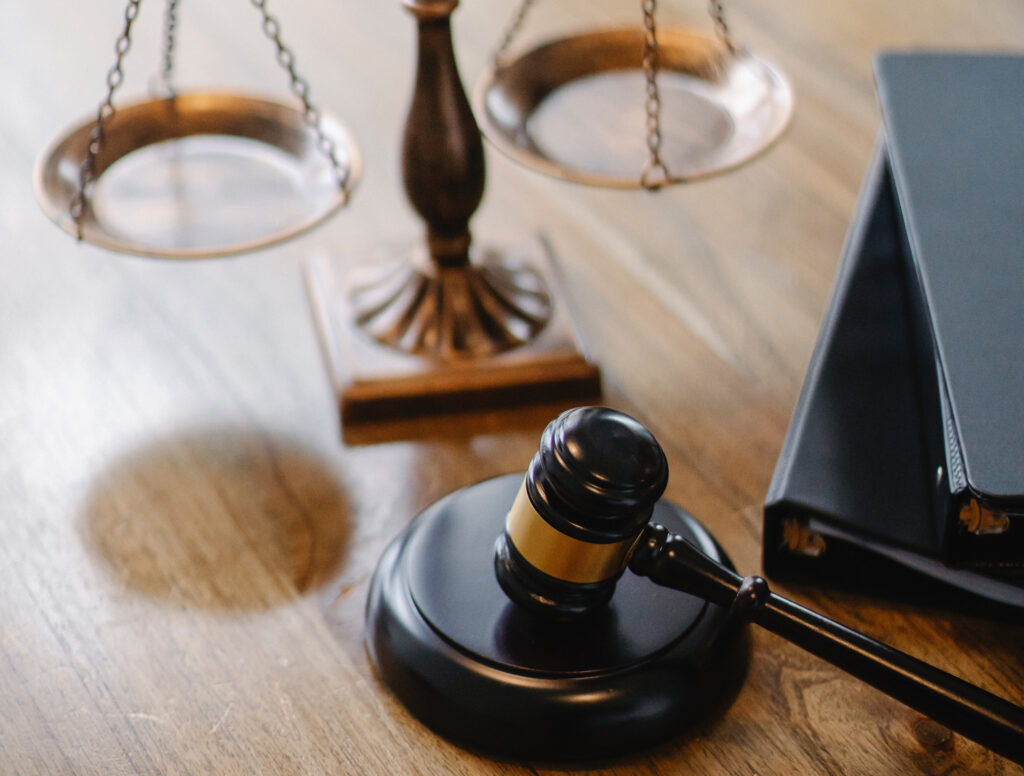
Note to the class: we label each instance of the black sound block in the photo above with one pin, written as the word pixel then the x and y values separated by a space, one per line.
pixel 492 676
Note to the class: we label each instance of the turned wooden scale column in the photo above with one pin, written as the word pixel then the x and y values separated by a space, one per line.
pixel 446 323
pixel 442 154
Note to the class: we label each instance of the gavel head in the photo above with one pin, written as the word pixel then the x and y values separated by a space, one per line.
pixel 588 493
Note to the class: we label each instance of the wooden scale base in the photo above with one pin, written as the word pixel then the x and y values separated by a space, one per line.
pixel 492 676
pixel 376 381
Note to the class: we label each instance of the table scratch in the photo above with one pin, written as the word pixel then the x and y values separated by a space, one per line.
pixel 220 721
pixel 140 715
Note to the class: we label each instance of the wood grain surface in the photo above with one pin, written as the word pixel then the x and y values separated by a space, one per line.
pixel 186 538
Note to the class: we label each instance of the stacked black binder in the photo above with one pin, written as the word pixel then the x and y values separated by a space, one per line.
pixel 907 442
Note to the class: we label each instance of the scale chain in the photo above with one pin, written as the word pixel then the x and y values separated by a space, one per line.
pixel 513 31
pixel 300 88
pixel 115 76
pixel 717 11
pixel 170 33
pixel 655 174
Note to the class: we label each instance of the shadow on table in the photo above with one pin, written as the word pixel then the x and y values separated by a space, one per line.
pixel 220 518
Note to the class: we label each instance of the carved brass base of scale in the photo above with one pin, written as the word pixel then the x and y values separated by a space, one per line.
pixel 402 336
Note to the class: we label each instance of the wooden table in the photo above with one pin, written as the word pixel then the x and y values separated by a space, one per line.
pixel 187 540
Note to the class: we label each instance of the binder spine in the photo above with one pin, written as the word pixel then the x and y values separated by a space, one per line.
pixel 931 404
pixel 789 545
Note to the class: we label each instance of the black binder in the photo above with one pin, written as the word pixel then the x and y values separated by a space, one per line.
pixel 907 442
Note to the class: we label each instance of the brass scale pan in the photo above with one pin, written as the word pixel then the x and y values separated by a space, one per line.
pixel 198 174
pixel 574 108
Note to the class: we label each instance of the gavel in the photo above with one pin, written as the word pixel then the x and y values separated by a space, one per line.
pixel 542 645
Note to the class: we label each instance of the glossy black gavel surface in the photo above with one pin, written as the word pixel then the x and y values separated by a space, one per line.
pixel 503 618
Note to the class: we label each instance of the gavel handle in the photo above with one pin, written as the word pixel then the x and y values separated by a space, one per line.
pixel 991 721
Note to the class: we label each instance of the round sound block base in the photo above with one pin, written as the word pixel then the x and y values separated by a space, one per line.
pixel 480 670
